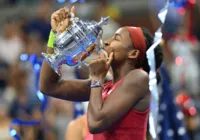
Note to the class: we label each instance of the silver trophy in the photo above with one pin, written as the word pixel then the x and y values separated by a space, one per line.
pixel 72 45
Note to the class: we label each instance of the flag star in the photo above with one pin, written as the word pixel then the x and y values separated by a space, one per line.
pixel 174 101
pixel 181 131
pixel 170 132
pixel 180 115
pixel 159 129
pixel 78 106
pixel 160 117
pixel 163 106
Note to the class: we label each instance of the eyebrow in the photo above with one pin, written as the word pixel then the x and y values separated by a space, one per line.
pixel 116 34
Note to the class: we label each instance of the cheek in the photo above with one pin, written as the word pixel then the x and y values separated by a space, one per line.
pixel 114 47
pixel 120 55
pixel 117 49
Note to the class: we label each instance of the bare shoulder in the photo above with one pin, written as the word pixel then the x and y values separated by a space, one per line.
pixel 76 129
pixel 140 83
pixel 76 124
pixel 136 81
pixel 137 77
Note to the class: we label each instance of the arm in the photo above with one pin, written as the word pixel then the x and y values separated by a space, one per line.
pixel 74 90
pixel 76 129
pixel 102 115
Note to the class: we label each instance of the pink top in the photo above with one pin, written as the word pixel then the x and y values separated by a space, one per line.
pixel 132 125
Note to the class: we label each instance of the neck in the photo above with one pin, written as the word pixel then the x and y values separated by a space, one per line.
pixel 120 71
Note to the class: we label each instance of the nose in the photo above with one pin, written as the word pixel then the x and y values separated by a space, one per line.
pixel 107 42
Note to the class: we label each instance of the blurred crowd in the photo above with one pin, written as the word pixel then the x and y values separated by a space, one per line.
pixel 21 33
pixel 24 33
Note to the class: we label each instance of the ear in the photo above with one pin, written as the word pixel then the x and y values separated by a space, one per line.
pixel 133 54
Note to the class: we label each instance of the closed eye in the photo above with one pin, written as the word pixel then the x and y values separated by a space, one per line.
pixel 117 37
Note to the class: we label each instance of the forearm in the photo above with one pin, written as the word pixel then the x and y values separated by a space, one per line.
pixel 96 102
pixel 72 90
pixel 48 78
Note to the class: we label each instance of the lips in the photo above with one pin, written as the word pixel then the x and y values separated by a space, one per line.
pixel 107 50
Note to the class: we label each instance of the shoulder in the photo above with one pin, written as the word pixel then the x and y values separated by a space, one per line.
pixel 137 81
pixel 76 128
pixel 79 122
pixel 76 125
pixel 137 77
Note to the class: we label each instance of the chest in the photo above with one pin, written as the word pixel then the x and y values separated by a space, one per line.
pixel 108 88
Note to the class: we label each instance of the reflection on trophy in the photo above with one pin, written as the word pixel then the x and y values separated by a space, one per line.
pixel 72 45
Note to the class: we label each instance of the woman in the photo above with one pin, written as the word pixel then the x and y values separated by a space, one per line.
pixel 117 109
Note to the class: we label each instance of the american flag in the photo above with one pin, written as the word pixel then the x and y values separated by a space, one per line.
pixel 170 117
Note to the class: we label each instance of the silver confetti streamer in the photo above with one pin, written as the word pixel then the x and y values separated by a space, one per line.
pixel 153 116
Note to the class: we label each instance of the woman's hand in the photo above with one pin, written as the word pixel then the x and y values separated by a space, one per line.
pixel 60 20
pixel 99 67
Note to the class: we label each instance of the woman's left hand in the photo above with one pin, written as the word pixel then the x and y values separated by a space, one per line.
pixel 99 67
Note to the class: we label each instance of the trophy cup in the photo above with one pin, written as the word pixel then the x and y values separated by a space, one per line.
pixel 72 45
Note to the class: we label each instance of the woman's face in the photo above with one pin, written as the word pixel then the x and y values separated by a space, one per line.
pixel 120 45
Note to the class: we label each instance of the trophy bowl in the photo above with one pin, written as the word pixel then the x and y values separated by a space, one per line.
pixel 72 45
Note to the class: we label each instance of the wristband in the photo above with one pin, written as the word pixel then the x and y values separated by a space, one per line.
pixel 52 39
pixel 95 84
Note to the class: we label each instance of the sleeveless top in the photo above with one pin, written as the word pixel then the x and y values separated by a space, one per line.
pixel 132 125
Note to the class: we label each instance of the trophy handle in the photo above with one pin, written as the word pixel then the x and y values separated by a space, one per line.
pixel 76 43
pixel 103 21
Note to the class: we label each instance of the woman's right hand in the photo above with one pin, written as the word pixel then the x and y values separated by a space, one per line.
pixel 60 20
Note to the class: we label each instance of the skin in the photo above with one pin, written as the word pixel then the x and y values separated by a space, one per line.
pixel 76 130
pixel 132 93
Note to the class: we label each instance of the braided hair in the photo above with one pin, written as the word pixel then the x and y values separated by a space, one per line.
pixel 157 51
